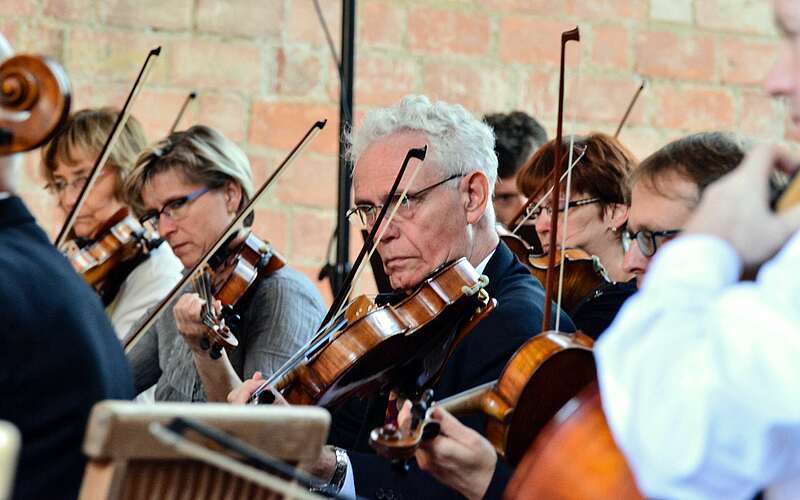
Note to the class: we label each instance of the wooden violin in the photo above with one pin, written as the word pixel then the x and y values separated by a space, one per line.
pixel 35 97
pixel 583 273
pixel 401 346
pixel 122 239
pixel 545 372
pixel 227 278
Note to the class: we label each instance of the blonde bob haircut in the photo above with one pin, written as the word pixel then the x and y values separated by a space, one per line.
pixel 85 133
pixel 202 154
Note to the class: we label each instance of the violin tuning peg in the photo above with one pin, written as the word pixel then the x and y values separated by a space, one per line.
pixel 216 352
pixel 204 344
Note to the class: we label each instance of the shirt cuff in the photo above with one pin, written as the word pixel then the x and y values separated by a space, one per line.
pixel 349 487
pixel 695 260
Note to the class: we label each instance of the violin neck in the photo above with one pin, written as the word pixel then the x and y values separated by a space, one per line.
pixel 469 401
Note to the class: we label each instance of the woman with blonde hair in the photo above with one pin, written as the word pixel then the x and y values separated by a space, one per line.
pixel 192 185
pixel 140 283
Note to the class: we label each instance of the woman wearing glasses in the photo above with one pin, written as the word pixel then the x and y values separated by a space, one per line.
pixel 597 212
pixel 141 282
pixel 191 185
pixel 666 188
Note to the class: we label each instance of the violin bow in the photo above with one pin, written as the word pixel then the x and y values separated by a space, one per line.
pixel 628 111
pixel 132 338
pixel 341 297
pixel 574 35
pixel 189 98
pixel 116 131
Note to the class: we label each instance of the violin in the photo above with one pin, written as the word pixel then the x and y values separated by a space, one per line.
pixel 228 277
pixel 583 273
pixel 574 457
pixel 402 346
pixel 545 372
pixel 35 96
pixel 122 239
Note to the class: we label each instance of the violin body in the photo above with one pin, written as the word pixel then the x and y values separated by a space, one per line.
pixel 402 346
pixel 583 274
pixel 574 458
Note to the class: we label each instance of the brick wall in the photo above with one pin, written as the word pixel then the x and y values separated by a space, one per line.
pixel 264 73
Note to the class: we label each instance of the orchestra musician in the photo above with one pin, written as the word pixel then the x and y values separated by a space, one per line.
pixel 666 188
pixel 456 179
pixel 598 210
pixel 517 136
pixel 54 327
pixel 192 184
pixel 720 352
pixel 66 163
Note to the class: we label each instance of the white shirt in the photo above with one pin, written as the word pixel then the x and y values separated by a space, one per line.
pixel 700 373
pixel 142 290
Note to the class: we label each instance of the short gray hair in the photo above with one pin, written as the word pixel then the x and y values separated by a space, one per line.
pixel 459 143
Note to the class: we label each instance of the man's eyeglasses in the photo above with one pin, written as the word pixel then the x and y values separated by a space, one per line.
pixel 646 240
pixel 175 209
pixel 368 214
pixel 548 212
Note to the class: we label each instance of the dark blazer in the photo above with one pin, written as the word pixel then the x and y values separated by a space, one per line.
pixel 479 358
pixel 58 356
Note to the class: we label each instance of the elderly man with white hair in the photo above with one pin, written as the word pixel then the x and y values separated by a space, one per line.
pixel 448 215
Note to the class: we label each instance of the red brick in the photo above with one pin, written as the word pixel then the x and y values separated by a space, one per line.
pixel 112 56
pixel 228 113
pixel 90 95
pixel 448 32
pixel 747 62
pixel 547 7
pixel 217 65
pixel 303 24
pixel 605 99
pixel 18 7
pixel 530 40
pixel 310 182
pixel 693 109
pixel 272 225
pixel 156 110
pixel 540 96
pixel 665 54
pixel 742 16
pixel 607 9
pixel 455 83
pixel 642 141
pixel 170 15
pixel 260 18
pixel 382 80
pixel 611 46
pixel 310 232
pixel 298 70
pixel 71 10
pixel 381 24
pixel 13 31
pixel 280 125
pixel 35 38
pixel 760 116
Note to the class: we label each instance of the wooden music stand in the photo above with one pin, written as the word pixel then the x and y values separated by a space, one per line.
pixel 127 461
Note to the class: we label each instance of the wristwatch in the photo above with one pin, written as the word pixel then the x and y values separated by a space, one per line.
pixel 334 486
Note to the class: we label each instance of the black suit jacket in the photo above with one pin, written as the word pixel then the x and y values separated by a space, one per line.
pixel 58 356
pixel 479 358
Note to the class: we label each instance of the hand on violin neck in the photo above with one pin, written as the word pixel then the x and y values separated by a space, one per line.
pixel 458 457
pixel 244 391
pixel 188 312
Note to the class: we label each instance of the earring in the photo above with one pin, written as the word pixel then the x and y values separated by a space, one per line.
pixel 613 229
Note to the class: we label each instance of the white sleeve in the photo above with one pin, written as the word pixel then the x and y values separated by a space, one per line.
pixel 699 373
pixel 349 487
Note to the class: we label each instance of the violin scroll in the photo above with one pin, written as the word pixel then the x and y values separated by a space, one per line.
pixel 35 99
pixel 398 445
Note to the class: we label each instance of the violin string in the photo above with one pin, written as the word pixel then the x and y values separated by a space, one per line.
pixel 568 193
pixel 529 213
pixel 325 335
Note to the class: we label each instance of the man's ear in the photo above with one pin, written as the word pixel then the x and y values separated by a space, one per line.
pixel 233 196
pixel 475 187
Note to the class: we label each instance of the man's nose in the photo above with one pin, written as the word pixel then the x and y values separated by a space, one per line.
pixel 635 261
